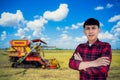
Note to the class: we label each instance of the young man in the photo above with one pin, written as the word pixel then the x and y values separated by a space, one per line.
pixel 92 59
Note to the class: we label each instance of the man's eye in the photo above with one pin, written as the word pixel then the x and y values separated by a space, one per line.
pixel 93 28
pixel 87 28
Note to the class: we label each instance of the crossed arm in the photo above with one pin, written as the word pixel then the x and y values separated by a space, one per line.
pixel 102 61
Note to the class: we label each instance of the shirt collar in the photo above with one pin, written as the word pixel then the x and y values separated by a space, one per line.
pixel 95 43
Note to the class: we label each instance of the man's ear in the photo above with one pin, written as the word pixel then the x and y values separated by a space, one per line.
pixel 99 30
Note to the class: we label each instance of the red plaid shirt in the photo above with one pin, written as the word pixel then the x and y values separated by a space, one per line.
pixel 98 49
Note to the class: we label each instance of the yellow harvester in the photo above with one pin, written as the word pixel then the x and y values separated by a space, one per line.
pixel 26 53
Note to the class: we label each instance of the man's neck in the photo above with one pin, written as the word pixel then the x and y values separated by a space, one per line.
pixel 92 41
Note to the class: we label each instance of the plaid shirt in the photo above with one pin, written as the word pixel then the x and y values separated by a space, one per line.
pixel 97 50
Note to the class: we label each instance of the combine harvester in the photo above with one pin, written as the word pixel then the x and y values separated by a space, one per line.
pixel 27 54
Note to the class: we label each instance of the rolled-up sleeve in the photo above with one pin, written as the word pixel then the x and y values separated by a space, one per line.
pixel 74 64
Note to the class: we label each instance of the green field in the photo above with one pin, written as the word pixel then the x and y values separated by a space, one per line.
pixel 64 73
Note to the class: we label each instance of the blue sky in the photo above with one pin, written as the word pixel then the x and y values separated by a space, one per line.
pixel 58 22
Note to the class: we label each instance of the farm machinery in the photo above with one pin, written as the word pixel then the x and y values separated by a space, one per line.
pixel 30 53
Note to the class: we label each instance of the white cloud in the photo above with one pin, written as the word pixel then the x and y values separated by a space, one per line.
pixel 68 42
pixel 116 29
pixel 37 33
pixel 37 26
pixel 82 39
pixel 58 28
pixel 36 17
pixel 26 29
pixel 65 41
pixel 58 14
pixel 65 37
pixel 9 19
pixel 20 33
pixel 66 28
pixel 45 38
pixel 102 7
pixel 109 5
pixel 99 8
pixel 3 35
pixel 65 31
pixel 117 34
pixel 114 18
pixel 76 26
pixel 106 36
pixel 29 37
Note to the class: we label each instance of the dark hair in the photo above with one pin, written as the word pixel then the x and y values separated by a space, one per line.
pixel 91 21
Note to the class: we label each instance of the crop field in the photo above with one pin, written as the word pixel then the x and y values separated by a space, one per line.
pixel 64 73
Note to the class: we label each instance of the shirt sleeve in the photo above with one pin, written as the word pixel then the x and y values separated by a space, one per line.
pixel 74 64
pixel 102 70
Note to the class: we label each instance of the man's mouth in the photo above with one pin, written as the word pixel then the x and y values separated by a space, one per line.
pixel 90 35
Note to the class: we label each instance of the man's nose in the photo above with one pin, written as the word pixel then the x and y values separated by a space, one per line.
pixel 90 30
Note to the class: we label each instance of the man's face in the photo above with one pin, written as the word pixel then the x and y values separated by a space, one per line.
pixel 91 31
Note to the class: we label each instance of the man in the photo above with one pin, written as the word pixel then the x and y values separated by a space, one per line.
pixel 92 59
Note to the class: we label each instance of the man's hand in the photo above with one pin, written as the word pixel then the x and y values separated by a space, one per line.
pixel 103 61
pixel 77 57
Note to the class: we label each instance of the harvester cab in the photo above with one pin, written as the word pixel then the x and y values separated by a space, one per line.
pixel 26 53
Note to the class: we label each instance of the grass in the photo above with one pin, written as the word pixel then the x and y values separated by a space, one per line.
pixel 64 73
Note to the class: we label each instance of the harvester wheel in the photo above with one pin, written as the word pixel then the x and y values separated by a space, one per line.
pixel 15 65
pixel 37 64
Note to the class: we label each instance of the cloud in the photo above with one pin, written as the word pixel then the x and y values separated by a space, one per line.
pixel 65 41
pixel 37 33
pixel 106 36
pixel 82 39
pixel 109 5
pixel 99 8
pixel 9 19
pixel 102 7
pixel 58 14
pixel 116 29
pixel 117 34
pixel 3 35
pixel 58 28
pixel 37 26
pixel 68 42
pixel 65 31
pixel 66 27
pixel 45 38
pixel 76 26
pixel 65 37
pixel 26 29
pixel 36 17
pixel 114 18
pixel 20 33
